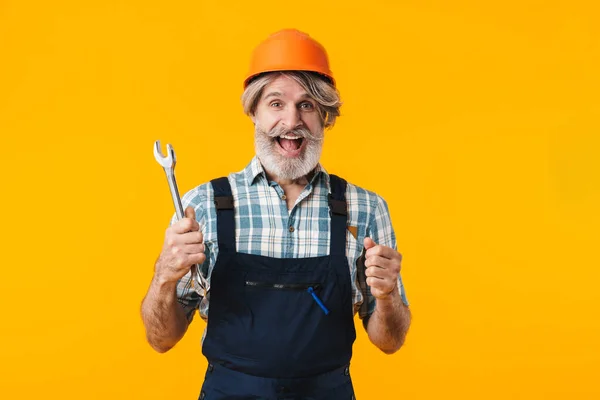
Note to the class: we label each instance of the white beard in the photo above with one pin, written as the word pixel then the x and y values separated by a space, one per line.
pixel 287 167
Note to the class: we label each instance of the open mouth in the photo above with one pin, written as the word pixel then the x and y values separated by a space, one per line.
pixel 290 145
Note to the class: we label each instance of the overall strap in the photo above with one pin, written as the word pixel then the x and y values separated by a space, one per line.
pixel 339 214
pixel 223 200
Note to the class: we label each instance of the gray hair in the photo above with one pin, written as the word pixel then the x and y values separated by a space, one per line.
pixel 317 86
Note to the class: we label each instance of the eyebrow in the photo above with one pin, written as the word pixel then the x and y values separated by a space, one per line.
pixel 277 94
pixel 273 94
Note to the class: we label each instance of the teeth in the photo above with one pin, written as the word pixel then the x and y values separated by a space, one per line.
pixel 290 137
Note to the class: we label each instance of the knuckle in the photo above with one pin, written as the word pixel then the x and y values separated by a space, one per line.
pixel 182 262
pixel 187 223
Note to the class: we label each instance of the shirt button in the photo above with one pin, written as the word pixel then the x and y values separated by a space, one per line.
pixel 283 197
pixel 291 229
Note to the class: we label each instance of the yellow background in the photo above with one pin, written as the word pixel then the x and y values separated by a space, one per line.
pixel 478 122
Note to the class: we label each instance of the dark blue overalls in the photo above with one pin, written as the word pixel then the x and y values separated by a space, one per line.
pixel 279 328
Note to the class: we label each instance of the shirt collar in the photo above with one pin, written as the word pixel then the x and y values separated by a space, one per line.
pixel 255 168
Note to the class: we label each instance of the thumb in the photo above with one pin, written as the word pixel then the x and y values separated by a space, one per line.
pixel 368 242
pixel 190 213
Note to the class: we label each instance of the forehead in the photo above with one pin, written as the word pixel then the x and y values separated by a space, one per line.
pixel 284 86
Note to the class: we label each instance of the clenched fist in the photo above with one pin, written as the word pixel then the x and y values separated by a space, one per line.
pixel 382 268
pixel 183 247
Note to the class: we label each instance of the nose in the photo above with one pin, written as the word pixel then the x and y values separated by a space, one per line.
pixel 291 118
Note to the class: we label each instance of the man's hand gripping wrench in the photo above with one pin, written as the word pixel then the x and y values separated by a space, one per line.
pixel 199 283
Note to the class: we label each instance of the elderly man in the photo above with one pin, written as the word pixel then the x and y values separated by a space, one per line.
pixel 290 252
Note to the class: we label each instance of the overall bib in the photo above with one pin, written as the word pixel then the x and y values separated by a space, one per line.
pixel 279 328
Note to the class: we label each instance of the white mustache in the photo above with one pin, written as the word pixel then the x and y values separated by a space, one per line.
pixel 300 132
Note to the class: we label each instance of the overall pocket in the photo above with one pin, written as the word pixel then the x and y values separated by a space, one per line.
pixel 311 289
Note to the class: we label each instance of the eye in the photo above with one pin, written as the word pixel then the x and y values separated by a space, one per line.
pixel 307 105
pixel 275 104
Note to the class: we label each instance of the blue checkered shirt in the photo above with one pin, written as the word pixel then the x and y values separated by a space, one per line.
pixel 263 224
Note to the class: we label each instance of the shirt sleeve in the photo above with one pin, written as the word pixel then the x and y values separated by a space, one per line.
pixel 380 229
pixel 186 294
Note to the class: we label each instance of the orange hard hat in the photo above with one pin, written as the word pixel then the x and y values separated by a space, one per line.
pixel 289 50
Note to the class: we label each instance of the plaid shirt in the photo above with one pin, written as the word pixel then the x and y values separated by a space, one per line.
pixel 263 224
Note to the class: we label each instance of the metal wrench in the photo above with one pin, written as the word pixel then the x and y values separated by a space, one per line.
pixel 168 164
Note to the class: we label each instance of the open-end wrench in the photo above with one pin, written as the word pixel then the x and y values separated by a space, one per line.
pixel 168 164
